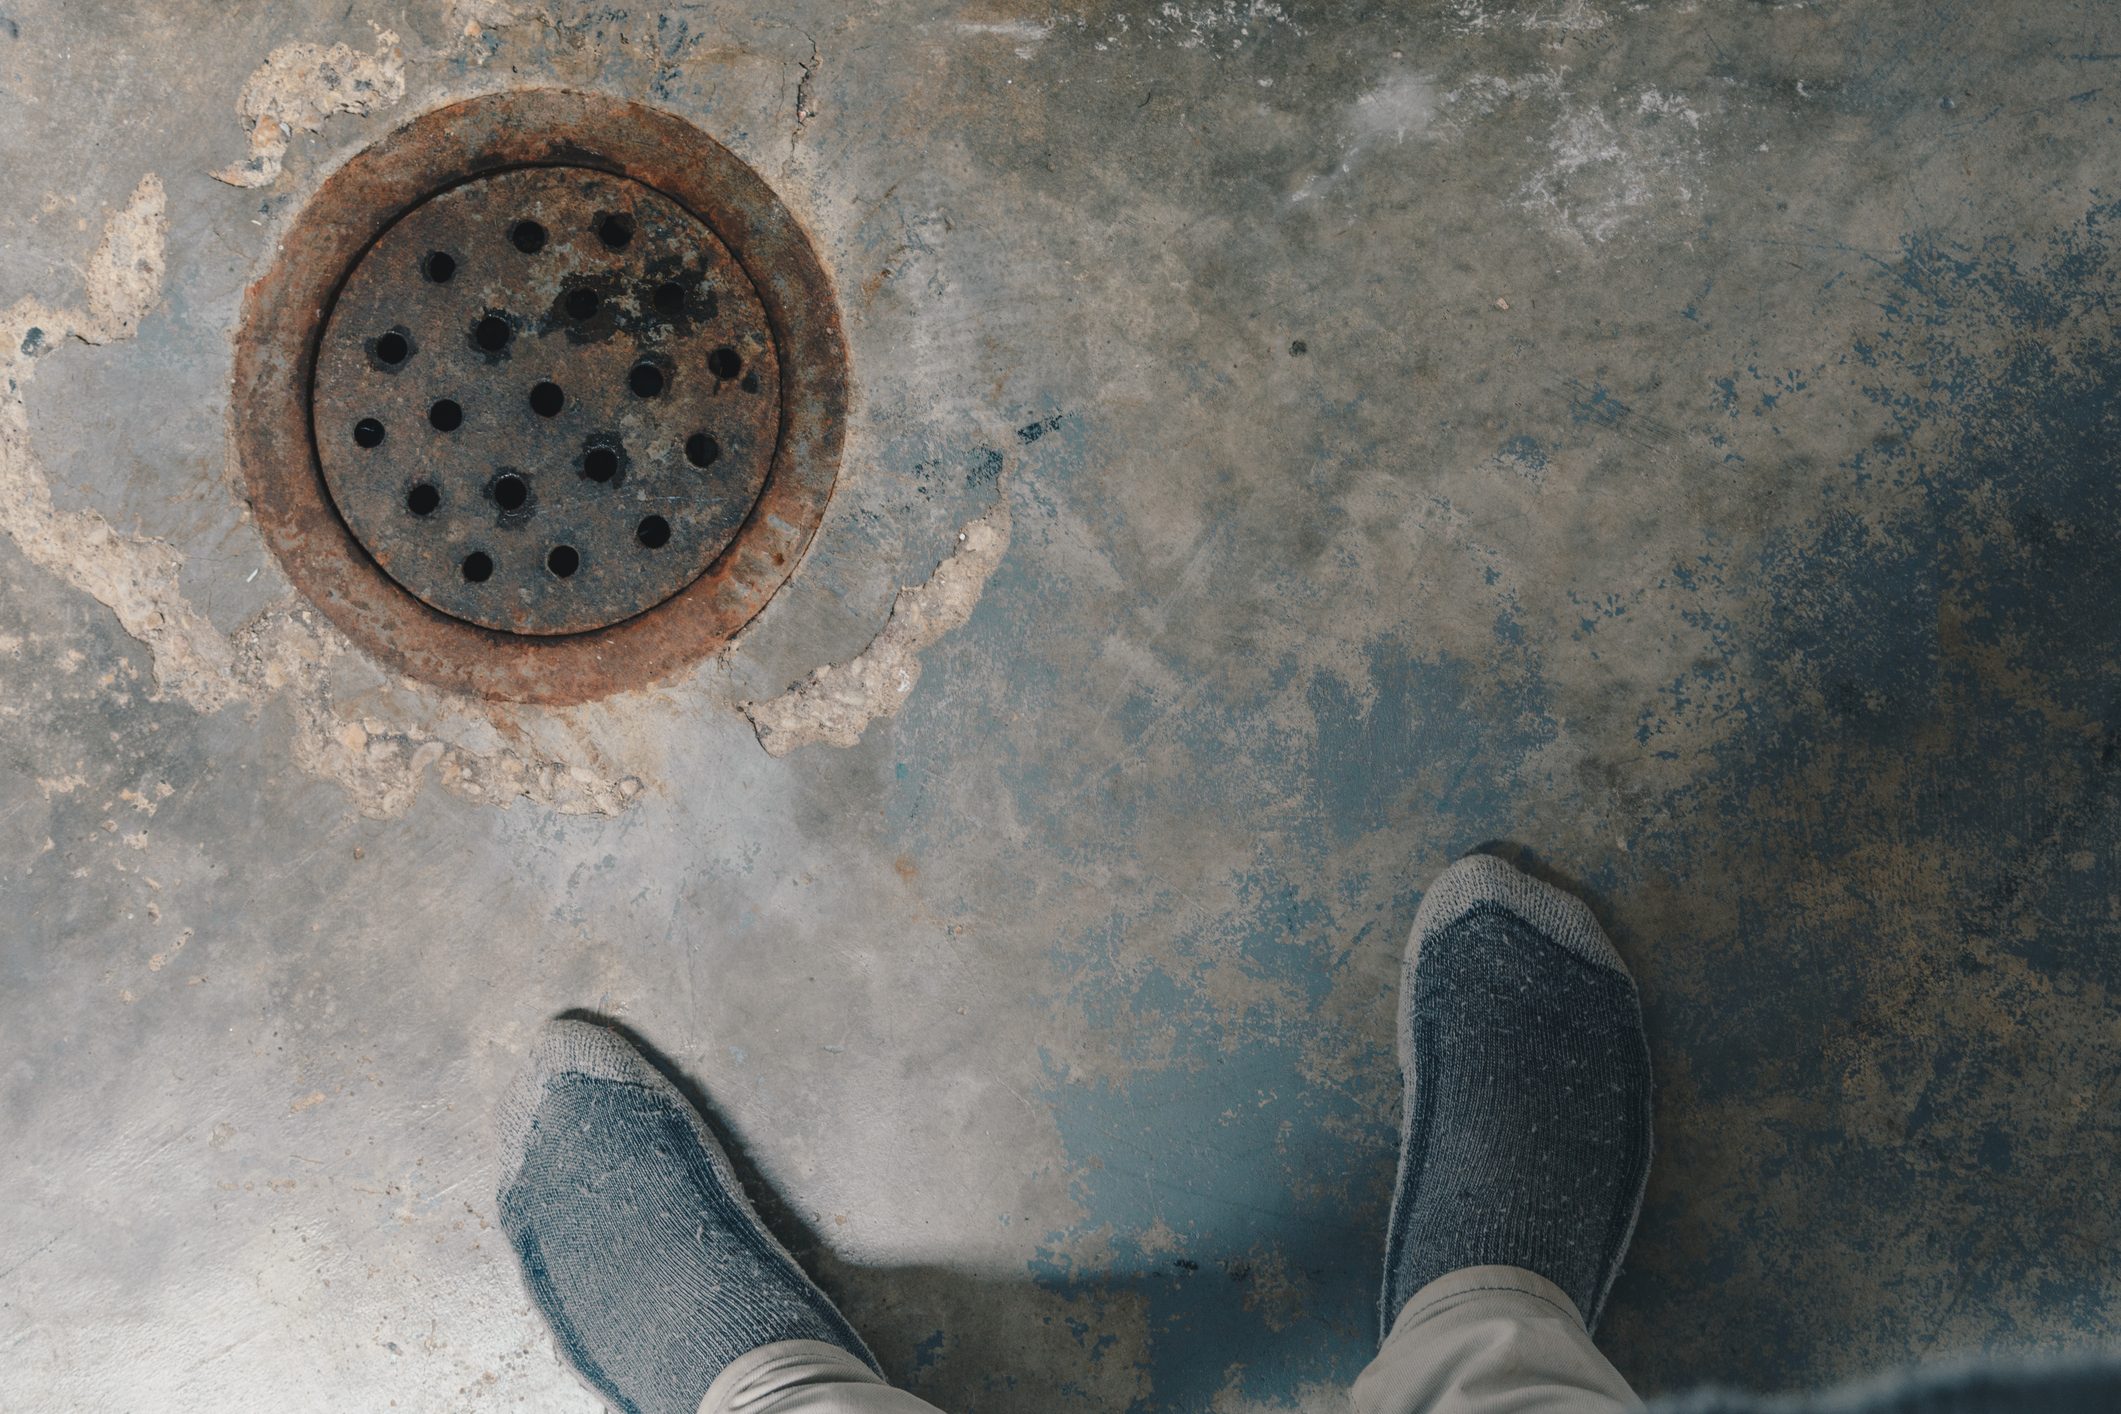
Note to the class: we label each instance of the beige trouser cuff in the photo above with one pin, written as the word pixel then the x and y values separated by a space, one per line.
pixel 1482 1340
pixel 805 1377
pixel 1490 1340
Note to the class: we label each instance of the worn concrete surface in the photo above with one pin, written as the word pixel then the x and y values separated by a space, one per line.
pixel 1679 440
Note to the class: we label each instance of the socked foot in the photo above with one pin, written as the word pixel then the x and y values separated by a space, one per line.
pixel 635 1238
pixel 1525 1138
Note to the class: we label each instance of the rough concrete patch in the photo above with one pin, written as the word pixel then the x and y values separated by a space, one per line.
pixel 835 704
pixel 382 765
pixel 300 85
pixel 125 269
pixel 282 652
pixel 133 575
pixel 472 17
pixel 473 21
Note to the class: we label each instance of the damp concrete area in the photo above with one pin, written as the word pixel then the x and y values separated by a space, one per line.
pixel 1278 447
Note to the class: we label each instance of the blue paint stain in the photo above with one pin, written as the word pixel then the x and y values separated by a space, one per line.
pixel 1415 748
pixel 1727 390
pixel 1032 432
pixel 1227 1190
pixel 1935 671
pixel 1524 449
pixel 1595 405
pixel 1932 670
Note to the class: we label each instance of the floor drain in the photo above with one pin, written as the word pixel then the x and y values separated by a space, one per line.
pixel 570 262
pixel 543 398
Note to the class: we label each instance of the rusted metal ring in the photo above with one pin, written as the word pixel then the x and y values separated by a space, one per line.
pixel 276 351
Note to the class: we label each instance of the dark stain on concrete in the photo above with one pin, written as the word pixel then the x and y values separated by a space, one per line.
pixel 1890 1105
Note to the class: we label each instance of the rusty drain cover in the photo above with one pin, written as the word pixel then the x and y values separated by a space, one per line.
pixel 546 399
pixel 573 407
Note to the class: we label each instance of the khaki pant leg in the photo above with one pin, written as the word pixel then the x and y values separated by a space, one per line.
pixel 1491 1340
pixel 805 1377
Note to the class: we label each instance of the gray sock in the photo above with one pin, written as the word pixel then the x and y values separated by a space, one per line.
pixel 1525 1138
pixel 636 1241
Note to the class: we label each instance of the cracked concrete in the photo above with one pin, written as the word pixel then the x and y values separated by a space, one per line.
pixel 1675 442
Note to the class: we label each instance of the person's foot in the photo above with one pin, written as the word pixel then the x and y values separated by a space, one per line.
pixel 635 1237
pixel 1525 1137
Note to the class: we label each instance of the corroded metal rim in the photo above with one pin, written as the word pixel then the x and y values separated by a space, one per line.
pixel 276 349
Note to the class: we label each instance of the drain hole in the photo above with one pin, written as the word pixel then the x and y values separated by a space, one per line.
pixel 527 236
pixel 445 415
pixel 439 266
pixel 582 303
pixel 546 399
pixel 723 363
pixel 422 499
pixel 646 380
pixel 368 433
pixel 393 348
pixel 615 230
pixel 701 449
pixel 669 299
pixel 478 567
pixel 564 560
pixel 653 532
pixel 600 464
pixel 491 334
pixel 510 492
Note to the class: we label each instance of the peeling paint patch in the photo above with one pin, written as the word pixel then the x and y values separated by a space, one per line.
pixel 836 703
pixel 300 85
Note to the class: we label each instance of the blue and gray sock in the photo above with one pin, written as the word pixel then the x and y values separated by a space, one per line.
pixel 635 1237
pixel 1525 1138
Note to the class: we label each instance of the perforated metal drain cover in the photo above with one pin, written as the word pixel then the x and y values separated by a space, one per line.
pixel 543 396
pixel 545 400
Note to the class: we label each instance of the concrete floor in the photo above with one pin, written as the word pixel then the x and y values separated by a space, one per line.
pixel 1677 441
